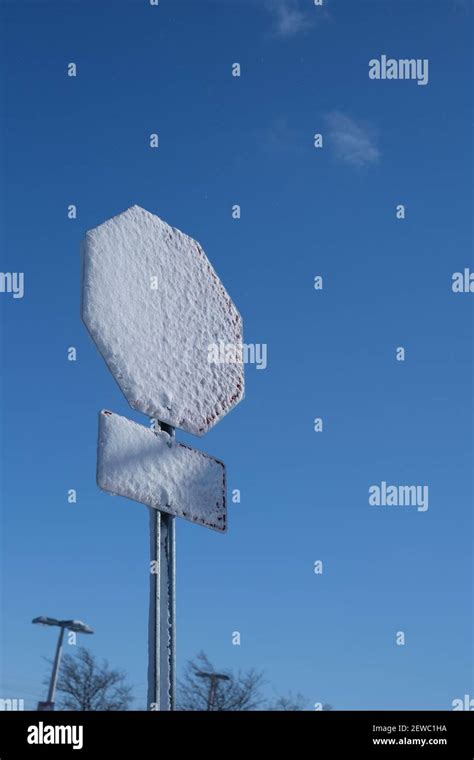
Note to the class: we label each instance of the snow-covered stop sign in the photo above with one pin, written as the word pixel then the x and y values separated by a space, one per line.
pixel 159 316
pixel 156 310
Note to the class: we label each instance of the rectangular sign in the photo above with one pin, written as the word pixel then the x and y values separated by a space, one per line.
pixel 150 467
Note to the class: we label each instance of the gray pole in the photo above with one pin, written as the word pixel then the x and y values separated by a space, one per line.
pixel 212 689
pixel 171 559
pixel 214 679
pixel 57 661
pixel 162 615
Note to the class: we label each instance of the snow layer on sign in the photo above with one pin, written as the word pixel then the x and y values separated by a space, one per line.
pixel 154 305
pixel 153 469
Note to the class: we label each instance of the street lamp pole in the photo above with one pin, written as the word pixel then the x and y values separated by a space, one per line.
pixel 57 662
pixel 213 680
pixel 71 625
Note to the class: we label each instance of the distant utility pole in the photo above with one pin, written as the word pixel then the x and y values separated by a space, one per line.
pixel 213 680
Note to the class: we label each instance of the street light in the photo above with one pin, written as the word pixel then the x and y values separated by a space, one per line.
pixel 213 679
pixel 71 625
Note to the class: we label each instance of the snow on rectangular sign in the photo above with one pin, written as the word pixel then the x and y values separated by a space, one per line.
pixel 152 468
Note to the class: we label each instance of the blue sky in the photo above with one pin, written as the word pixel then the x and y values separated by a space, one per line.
pixel 331 353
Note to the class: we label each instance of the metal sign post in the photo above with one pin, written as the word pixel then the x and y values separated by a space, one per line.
pixel 155 308
pixel 162 614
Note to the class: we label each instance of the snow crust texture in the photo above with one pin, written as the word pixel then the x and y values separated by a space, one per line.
pixel 154 305
pixel 152 468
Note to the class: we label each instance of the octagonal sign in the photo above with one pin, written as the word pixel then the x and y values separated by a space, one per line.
pixel 162 321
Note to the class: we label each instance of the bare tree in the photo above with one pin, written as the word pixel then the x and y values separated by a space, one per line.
pixel 202 689
pixel 297 702
pixel 289 703
pixel 87 684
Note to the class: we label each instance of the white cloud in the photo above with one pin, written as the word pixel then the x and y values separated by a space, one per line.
pixel 288 17
pixel 354 143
